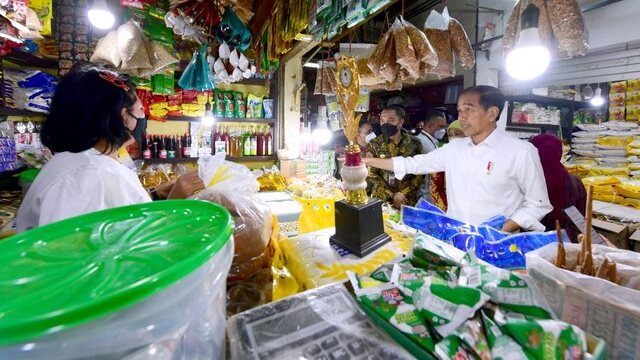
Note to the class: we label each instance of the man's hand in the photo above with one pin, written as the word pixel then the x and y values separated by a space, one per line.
pixel 186 185
pixel 384 164
pixel 398 200
pixel 163 190
pixel 510 226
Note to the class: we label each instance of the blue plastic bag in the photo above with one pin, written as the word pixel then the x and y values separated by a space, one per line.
pixel 197 75
pixel 425 205
pixel 498 248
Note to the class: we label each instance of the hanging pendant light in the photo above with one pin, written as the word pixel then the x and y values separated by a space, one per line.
pixel 597 100
pixel 530 58
pixel 100 16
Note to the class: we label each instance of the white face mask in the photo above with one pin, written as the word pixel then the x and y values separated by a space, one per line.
pixel 370 137
pixel 439 134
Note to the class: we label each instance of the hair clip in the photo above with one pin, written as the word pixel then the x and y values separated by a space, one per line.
pixel 110 77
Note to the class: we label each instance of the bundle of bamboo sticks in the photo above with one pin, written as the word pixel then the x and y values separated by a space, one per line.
pixel 584 264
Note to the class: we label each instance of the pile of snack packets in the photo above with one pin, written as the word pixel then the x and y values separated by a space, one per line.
pixel 465 308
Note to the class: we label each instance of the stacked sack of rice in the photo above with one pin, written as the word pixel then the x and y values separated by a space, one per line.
pixel 620 190
pixel 604 149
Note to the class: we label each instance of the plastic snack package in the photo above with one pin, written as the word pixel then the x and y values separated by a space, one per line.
pixel 387 300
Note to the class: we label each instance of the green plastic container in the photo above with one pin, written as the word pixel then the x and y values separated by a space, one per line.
pixel 117 281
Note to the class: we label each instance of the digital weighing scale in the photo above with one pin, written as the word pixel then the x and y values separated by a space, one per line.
pixel 320 324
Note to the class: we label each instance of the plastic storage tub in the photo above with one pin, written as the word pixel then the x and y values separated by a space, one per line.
pixel 139 282
pixel 26 178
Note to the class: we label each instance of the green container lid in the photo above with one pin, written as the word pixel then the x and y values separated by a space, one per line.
pixel 28 175
pixel 71 272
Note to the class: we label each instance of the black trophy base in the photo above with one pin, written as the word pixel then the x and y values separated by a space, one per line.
pixel 359 228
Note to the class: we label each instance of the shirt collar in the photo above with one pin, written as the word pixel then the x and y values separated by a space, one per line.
pixel 491 141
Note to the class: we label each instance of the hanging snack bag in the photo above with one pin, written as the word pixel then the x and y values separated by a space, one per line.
pixel 445 307
pixel 437 30
pixel 461 45
pixel 387 301
pixel 240 104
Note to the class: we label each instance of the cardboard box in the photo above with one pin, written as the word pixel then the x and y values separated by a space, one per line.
pixel 293 168
pixel 617 233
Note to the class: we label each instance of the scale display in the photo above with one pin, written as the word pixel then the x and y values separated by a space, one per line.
pixel 321 324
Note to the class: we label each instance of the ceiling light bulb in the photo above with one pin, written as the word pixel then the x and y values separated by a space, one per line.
pixel 208 120
pixel 597 100
pixel 100 16
pixel 322 135
pixel 530 58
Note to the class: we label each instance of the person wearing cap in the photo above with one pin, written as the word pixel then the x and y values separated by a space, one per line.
pixel 454 130
pixel 488 173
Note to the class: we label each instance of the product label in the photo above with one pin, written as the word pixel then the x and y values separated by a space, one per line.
pixel 146 154
pixel 163 154
pixel 220 147
pixel 171 154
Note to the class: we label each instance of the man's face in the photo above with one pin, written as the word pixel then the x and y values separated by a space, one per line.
pixel 474 119
pixel 364 130
pixel 435 125
pixel 390 117
pixel 420 125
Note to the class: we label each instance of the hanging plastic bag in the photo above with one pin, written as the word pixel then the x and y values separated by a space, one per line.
pixel 232 31
pixel 568 27
pixel 437 30
pixel 198 75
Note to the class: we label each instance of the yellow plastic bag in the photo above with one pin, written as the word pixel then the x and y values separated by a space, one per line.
pixel 616 141
pixel 629 189
pixel 316 214
pixel 611 171
pixel 600 180
pixel 284 284
pixel 634 203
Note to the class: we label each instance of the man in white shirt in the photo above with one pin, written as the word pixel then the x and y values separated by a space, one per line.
pixel 488 172
pixel 432 130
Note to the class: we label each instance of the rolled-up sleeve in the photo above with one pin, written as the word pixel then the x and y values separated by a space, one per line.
pixel 536 199
pixel 422 164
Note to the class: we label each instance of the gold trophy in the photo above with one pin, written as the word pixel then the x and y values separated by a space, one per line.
pixel 359 226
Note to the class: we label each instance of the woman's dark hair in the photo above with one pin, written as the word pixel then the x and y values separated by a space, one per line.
pixel 489 96
pixel 85 108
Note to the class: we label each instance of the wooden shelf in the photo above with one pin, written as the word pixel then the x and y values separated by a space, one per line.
pixel 226 120
pixel 546 100
pixel 29 60
pixel 228 158
pixel 19 112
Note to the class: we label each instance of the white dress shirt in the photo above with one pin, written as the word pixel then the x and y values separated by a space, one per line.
pixel 72 184
pixel 500 176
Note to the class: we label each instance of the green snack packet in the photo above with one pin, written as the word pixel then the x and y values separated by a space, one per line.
pixel 229 104
pixel 452 347
pixel 383 273
pixel 240 104
pixel 428 252
pixel 445 307
pixel 549 339
pixel 408 278
pixel 502 346
pixel 219 103
pixel 504 287
pixel 472 333
pixel 387 301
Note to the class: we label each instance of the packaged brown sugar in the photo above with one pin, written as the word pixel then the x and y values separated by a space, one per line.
pixel 377 56
pixel 461 45
pixel 405 52
pixel 437 30
pixel 389 69
pixel 423 49
pixel 512 30
pixel 568 27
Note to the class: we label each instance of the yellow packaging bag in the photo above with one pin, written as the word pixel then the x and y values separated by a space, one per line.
pixel 634 203
pixel 615 141
pixel 629 189
pixel 284 284
pixel 600 180
pixel 610 171
pixel 317 214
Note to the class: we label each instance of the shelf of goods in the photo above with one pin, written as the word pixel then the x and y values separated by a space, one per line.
pixel 195 159
pixel 225 120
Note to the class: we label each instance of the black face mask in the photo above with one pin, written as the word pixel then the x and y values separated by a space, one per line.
pixel 141 126
pixel 388 130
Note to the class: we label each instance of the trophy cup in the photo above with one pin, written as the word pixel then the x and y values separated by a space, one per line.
pixel 359 226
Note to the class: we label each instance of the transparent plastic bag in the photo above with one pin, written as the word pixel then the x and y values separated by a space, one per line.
pixel 568 27
pixel 461 45
pixel 437 30
pixel 233 186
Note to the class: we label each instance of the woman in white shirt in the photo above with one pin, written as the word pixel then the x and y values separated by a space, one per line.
pixel 94 112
